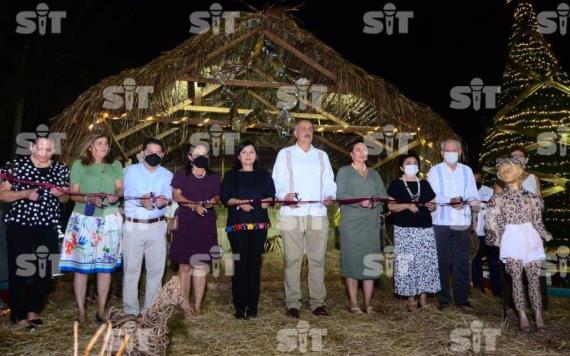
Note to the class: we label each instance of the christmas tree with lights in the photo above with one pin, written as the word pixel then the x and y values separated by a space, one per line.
pixel 534 112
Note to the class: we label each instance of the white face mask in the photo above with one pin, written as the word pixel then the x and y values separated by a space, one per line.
pixel 451 157
pixel 411 170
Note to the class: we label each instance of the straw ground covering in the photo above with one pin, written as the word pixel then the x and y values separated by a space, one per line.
pixel 392 331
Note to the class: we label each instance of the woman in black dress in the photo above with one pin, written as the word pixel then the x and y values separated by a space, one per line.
pixel 243 188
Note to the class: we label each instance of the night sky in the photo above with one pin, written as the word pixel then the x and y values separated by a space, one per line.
pixel 448 44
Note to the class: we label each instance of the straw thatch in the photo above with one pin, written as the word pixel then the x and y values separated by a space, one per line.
pixel 354 98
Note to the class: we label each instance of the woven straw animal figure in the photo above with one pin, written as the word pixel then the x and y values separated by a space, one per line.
pixel 148 334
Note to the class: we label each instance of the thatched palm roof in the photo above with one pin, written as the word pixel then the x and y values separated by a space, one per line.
pixel 266 46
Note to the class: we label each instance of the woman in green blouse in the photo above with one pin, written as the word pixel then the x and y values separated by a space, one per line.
pixel 359 226
pixel 92 242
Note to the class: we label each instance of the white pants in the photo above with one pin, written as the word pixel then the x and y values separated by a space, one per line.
pixel 148 241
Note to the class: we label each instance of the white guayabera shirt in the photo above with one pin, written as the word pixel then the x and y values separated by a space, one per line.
pixel 448 184
pixel 307 173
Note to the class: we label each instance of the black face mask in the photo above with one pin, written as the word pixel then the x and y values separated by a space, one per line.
pixel 200 162
pixel 153 160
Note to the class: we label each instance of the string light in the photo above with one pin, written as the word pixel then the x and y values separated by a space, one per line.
pixel 545 110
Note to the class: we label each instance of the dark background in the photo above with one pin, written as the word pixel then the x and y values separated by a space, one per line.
pixel 448 44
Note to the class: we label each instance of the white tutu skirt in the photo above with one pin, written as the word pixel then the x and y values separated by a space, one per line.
pixel 521 242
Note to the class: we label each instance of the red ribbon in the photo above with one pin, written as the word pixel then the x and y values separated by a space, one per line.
pixel 374 200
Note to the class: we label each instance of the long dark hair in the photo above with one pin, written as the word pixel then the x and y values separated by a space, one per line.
pixel 189 164
pixel 237 163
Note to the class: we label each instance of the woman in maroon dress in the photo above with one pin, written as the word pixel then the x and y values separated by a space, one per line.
pixel 196 189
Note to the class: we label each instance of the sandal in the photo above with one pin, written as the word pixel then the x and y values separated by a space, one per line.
pixel 370 310
pixel 355 310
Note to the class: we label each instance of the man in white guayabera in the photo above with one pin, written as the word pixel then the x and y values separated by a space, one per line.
pixel 455 188
pixel 303 172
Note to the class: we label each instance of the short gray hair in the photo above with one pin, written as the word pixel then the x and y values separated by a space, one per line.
pixel 300 121
pixel 451 140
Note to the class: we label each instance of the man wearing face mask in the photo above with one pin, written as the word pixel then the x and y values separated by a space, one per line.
pixel 456 191
pixel 144 231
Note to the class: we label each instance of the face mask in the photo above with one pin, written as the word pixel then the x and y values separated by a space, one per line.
pixel 153 160
pixel 451 157
pixel 411 170
pixel 200 162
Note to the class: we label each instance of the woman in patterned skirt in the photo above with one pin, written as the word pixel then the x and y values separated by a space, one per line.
pixel 415 267
pixel 93 235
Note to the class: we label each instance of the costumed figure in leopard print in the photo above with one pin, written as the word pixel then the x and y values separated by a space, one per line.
pixel 514 224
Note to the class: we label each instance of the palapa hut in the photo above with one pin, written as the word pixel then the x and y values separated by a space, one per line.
pixel 255 80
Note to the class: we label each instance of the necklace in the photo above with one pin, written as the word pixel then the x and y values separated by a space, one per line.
pixel 416 196
pixel 361 171
pixel 38 165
